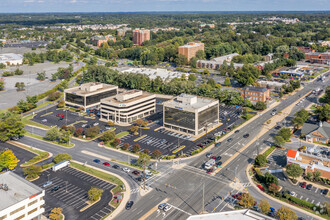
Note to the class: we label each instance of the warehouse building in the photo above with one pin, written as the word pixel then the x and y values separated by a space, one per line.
pixel 11 59
pixel 20 199
pixel 128 106
pixel 89 95
pixel 191 114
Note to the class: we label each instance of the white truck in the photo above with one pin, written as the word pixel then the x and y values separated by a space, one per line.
pixel 209 164
pixel 60 165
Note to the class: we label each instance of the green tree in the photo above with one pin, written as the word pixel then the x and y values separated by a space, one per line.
pixel 317 175
pixel 18 72
pixel 260 105
pixel 294 170
pixel 53 134
pixel 192 77
pixel 55 214
pixel 285 133
pixel 285 213
pixel 324 112
pixel 270 179
pixel 156 154
pixel 279 141
pixel 62 157
pixel 2 84
pixel 136 148
pixel 11 125
pixel 92 131
pixel 8 160
pixel 261 160
pixel 134 129
pixel 264 206
pixel 309 175
pixel 144 159
pixel 94 194
pixel 273 188
pixel 280 94
pixel 54 77
pixel 108 136
pixel 32 171
pixel 61 104
pixel 227 81
pixel 247 201
pixel 41 76
pixel 181 60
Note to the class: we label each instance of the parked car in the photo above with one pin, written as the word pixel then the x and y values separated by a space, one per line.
pixel 97 161
pixel 48 183
pixel 218 144
pixel 209 154
pixel 236 131
pixel 325 192
pixel 129 205
pixel 55 188
pixel 218 158
pixel 303 185
pixel 167 207
pixel 115 166
pixel 218 164
pixel 246 135
pixel 136 172
pixel 96 124
pixel 229 139
pixel 210 170
pixel 261 188
pixel 106 164
pixel 309 186
pixel 278 127
pixel 293 193
pixel 125 169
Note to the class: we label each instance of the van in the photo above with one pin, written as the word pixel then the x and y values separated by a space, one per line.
pixel 209 164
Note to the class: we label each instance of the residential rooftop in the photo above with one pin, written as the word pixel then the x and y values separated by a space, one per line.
pixel 19 189
pixel 90 88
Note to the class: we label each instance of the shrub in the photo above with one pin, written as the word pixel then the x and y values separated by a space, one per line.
pixel 32 171
pixel 61 104
pixel 5 74
pixel 269 151
pixel 125 146
pixel 136 148
pixel 196 151
pixel 92 131
pixel 61 157
pixel 94 194
pixel 116 142
pixel 54 95
pixel 45 166
pixel 301 202
pixel 78 132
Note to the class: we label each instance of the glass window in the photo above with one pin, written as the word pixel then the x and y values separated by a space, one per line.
pixel 76 99
pixel 97 97
pixel 180 118
pixel 209 115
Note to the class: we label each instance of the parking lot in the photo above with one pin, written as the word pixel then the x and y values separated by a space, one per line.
pixel 72 193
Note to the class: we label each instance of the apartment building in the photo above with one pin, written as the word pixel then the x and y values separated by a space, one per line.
pixel 122 31
pixel 99 40
pixel 255 94
pixel 189 50
pixel 140 35
pixel 20 199
pixel 191 114
pixel 89 95
pixel 128 106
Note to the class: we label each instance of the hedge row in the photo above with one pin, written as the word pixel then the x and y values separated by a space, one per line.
pixel 37 158
pixel 196 151
pixel 271 149
pixel 301 202
pixel 45 166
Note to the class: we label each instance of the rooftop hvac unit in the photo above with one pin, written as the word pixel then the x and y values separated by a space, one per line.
pixel 4 187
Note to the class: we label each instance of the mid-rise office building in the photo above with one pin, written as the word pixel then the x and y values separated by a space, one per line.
pixel 189 50
pixel 191 114
pixel 89 95
pixel 128 106
pixel 140 35
pixel 20 199
pixel 255 94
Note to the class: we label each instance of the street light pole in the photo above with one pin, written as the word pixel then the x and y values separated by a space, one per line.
pixel 203 199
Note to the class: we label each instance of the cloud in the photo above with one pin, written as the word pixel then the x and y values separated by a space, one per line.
pixel 73 1
pixel 28 1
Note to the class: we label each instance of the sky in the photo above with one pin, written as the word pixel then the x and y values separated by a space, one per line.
pixel 17 6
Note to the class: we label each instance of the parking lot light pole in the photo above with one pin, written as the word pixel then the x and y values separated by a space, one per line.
pixel 66 186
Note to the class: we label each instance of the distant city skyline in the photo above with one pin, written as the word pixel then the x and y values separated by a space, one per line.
pixel 23 6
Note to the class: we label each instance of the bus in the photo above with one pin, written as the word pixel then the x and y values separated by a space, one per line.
pixel 209 164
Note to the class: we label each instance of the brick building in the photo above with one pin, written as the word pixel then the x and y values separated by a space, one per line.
pixel 317 132
pixel 189 50
pixel 322 58
pixel 255 94
pixel 306 49
pixel 140 35
pixel 99 40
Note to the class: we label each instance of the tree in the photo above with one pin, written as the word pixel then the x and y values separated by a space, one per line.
pixel 181 60
pixel 285 213
pixel 136 148
pixel 41 76
pixel 116 142
pixel 206 72
pixel 53 134
pixel 18 72
pixel 94 194
pixel 280 94
pixel 261 160
pixel 111 123
pixel 55 214
pixel 260 105
pixel 108 136
pixel 54 77
pixel 53 96
pixel 297 122
pixel 156 154
pixel 227 81
pixel 270 179
pixel 279 141
pixel 69 128
pixel 134 129
pixel 64 137
pixel 309 175
pixel 317 175
pixel 32 171
pixel 285 133
pixel 61 104
pixel 62 157
pixel 8 160
pixel 144 159
pixel 11 125
pixel 92 131
pixel 294 170
pixel 247 201
pixel 146 151
pixel 192 77
pixel 78 132
pixel 125 146
pixel 273 188
pixel 264 206
pixel 324 112
pixel 2 84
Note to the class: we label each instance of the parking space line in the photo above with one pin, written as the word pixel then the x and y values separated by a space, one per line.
pixel 316 190
pixel 307 199
pixel 313 201
pixel 301 197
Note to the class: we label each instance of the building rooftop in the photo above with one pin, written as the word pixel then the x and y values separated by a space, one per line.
pixel 243 214
pixel 19 189
pixel 271 83
pixel 164 74
pixel 127 96
pixel 291 153
pixel 324 129
pixel 10 56
pixel 90 88
pixel 189 102
pixel 225 57
pixel 255 89
pixel 191 44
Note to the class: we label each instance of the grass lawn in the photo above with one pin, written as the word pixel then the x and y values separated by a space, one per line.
pixel 122 134
pixel 41 155
pixel 26 120
pixel 54 142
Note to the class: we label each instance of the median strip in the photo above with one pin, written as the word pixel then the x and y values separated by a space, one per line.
pixel 135 140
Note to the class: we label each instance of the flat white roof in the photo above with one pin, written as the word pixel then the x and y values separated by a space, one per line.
pixel 10 57
pixel 243 214
pixel 164 74
pixel 19 189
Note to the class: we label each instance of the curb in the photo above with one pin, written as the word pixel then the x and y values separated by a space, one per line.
pixel 52 143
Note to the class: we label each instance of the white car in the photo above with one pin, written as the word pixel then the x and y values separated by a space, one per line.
pixel 96 124
pixel 126 170
pixel 167 207
pixel 84 125
pixel 293 194
pixel 273 113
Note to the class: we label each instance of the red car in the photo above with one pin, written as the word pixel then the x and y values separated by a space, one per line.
pixel 106 164
pixel 214 157
pixel 210 170
pixel 261 188
pixel 303 185
pixel 136 172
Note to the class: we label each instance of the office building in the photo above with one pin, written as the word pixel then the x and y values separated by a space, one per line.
pixel 140 35
pixel 11 59
pixel 128 106
pixel 215 63
pixel 255 94
pixel 189 50
pixel 20 199
pixel 309 161
pixel 89 95
pixel 99 40
pixel 242 214
pixel 191 114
